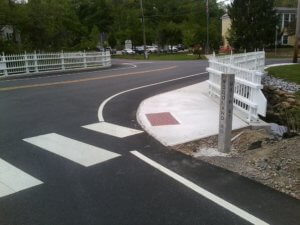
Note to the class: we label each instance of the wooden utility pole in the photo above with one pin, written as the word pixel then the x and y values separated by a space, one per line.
pixel 297 35
pixel 207 28
pixel 144 32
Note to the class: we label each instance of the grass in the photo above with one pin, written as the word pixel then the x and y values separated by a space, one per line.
pixel 289 73
pixel 176 56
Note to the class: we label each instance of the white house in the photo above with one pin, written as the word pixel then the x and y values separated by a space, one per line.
pixel 7 33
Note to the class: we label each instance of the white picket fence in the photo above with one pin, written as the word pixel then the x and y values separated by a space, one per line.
pixel 250 61
pixel 248 68
pixel 27 63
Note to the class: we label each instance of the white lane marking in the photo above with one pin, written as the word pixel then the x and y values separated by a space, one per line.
pixel 112 129
pixel 101 107
pixel 14 180
pixel 132 66
pixel 76 151
pixel 230 207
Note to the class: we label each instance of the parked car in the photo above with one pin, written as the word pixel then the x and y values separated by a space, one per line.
pixel 152 49
pixel 225 49
pixel 173 49
pixel 139 49
pixel 111 50
pixel 128 51
pixel 180 47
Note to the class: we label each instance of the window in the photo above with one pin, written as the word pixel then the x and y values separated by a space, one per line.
pixel 293 17
pixel 285 39
pixel 286 20
pixel 9 36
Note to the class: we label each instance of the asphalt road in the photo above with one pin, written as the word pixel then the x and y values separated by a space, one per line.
pixel 124 189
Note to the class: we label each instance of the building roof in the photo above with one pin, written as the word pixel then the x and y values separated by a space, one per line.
pixel 285 10
pixel 278 9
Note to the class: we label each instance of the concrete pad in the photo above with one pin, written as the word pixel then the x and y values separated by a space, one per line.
pixel 196 112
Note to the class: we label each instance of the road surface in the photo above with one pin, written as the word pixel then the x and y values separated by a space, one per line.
pixel 60 166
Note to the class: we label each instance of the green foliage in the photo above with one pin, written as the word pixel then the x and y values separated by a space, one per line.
pixel 252 23
pixel 52 25
pixel 112 40
pixel 170 33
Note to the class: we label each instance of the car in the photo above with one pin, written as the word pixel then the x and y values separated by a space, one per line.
pixel 180 47
pixel 174 49
pixel 152 49
pixel 225 49
pixel 128 51
pixel 139 49
pixel 111 50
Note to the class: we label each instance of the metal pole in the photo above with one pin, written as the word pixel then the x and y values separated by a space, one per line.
pixel 144 32
pixel 207 29
pixel 297 35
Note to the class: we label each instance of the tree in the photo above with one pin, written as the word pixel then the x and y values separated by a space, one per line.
pixel 112 40
pixel 252 23
pixel 53 25
pixel 170 34
pixel 286 3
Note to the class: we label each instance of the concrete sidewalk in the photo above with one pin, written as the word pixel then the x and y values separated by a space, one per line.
pixel 182 115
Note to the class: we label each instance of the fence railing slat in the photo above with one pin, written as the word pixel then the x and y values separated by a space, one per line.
pixel 43 62
pixel 248 69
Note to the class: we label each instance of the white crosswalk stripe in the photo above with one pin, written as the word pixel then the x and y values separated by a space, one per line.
pixel 76 151
pixel 112 129
pixel 13 180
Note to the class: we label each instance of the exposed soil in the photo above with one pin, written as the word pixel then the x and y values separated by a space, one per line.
pixel 257 155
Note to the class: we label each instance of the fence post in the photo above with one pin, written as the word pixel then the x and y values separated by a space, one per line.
pixel 62 60
pixel 26 62
pixel 84 59
pixel 109 59
pixel 103 58
pixel 36 68
pixel 4 64
pixel 226 112
pixel 107 53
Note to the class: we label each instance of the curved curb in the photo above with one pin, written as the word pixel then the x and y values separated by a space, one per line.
pixel 143 126
pixel 280 64
pixel 101 107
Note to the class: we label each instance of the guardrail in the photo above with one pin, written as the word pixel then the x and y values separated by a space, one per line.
pixel 46 62
pixel 248 97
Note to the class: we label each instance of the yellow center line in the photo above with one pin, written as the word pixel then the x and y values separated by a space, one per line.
pixel 82 80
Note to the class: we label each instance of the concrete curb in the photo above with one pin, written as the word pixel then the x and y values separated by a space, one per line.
pixel 186 117
pixel 140 117
pixel 280 64
pixel 143 126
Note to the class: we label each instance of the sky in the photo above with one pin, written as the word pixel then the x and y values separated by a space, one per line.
pixel 225 1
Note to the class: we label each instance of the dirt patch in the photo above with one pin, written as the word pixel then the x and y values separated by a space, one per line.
pixel 257 155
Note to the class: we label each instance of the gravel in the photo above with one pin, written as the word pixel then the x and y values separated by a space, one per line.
pixel 276 163
pixel 280 84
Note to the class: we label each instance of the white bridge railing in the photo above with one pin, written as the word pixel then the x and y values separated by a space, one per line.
pixel 45 62
pixel 248 69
